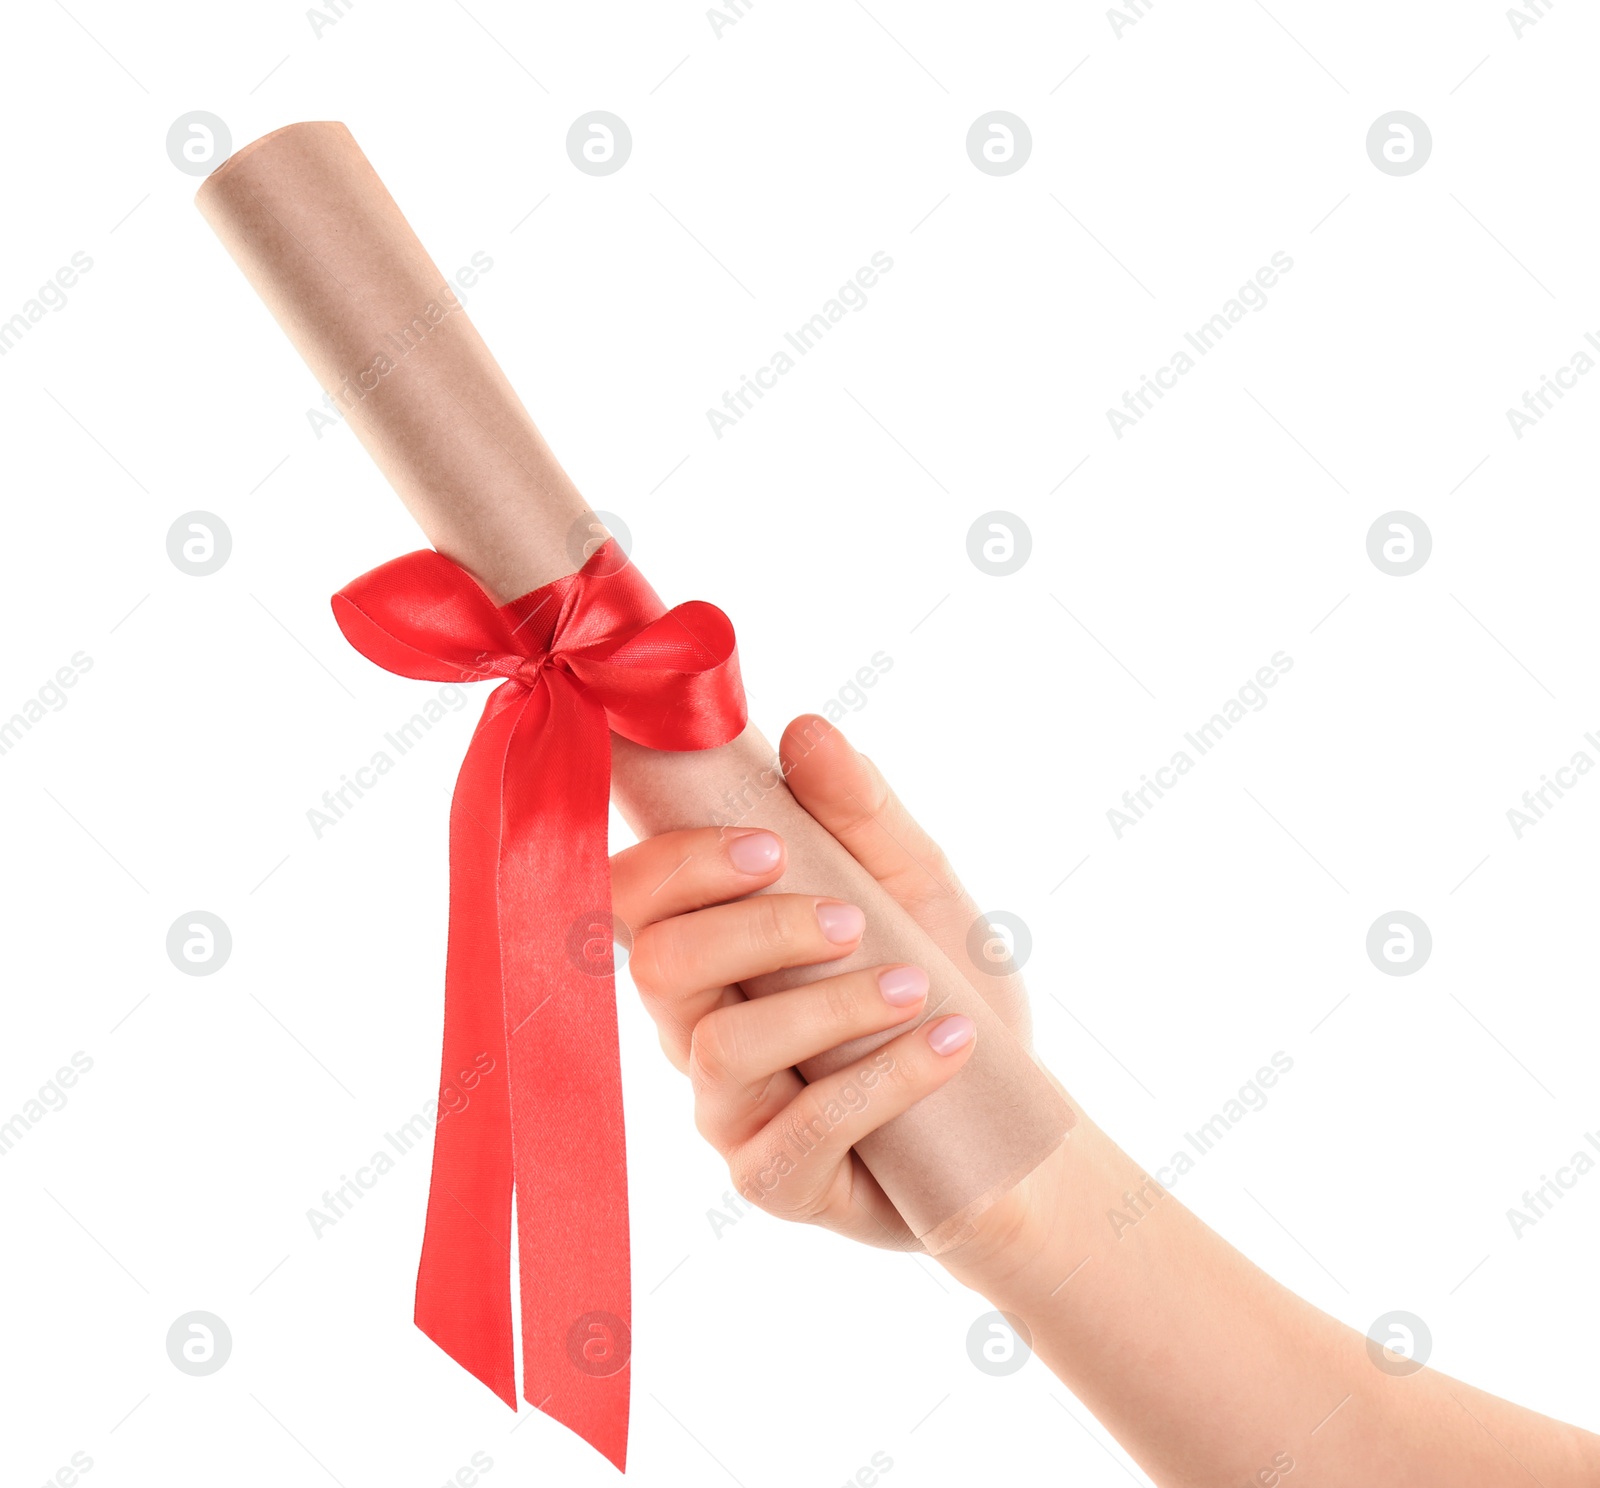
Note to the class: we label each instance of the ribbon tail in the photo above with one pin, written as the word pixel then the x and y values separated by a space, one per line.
pixel 463 1298
pixel 569 1151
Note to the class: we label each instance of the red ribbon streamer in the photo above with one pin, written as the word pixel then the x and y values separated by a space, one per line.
pixel 530 1091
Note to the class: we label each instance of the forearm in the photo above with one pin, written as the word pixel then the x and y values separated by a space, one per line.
pixel 1209 1372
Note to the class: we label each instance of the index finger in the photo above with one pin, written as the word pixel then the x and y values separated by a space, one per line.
pixel 692 869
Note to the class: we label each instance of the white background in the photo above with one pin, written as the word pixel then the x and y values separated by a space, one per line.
pixel 767 166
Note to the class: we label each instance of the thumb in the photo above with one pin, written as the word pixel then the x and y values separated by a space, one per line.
pixel 846 793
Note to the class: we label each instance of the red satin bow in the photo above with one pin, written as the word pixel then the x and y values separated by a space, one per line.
pixel 530 1089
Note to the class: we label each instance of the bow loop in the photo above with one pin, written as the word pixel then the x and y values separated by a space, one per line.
pixel 530 1095
pixel 674 683
pixel 422 616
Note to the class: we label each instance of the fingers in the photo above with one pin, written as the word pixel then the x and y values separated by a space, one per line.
pixel 729 942
pixel 683 966
pixel 799 1165
pixel 677 871
pixel 737 1050
pixel 845 792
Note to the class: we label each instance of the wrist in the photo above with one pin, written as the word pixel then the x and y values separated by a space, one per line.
pixel 1033 1240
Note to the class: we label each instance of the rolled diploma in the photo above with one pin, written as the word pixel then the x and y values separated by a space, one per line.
pixel 319 237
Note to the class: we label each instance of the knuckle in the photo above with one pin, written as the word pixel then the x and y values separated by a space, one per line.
pixel 661 961
pixel 807 1126
pixel 932 890
pixel 840 1007
pixel 711 852
pixel 888 1071
pixel 662 991
pixel 880 799
pixel 762 1170
pixel 643 964
pixel 712 1048
pixel 704 1122
pixel 882 1077
pixel 769 923
pixel 636 870
pixel 931 883
pixel 799 1130
pixel 672 1048
pixel 751 1170
pixel 940 866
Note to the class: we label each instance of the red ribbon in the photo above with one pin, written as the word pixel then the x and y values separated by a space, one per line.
pixel 529 975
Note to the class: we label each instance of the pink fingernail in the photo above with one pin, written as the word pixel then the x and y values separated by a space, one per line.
pixel 950 1034
pixel 755 853
pixel 903 985
pixel 841 923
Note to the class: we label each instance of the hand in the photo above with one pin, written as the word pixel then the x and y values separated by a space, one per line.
pixel 696 933
pixel 1226 1370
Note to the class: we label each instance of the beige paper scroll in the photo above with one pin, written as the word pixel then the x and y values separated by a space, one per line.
pixel 324 244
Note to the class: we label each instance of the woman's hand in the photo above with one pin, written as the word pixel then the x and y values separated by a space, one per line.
pixel 696 934
pixel 1225 1371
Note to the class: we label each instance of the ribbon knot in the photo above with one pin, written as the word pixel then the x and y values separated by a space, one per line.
pixel 530 1094
pixel 529 668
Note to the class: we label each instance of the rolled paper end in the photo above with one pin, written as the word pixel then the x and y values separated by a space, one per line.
pixel 963 1224
pixel 317 234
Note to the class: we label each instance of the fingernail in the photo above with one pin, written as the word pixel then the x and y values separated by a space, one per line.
pixel 755 852
pixel 841 923
pixel 950 1034
pixel 903 985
